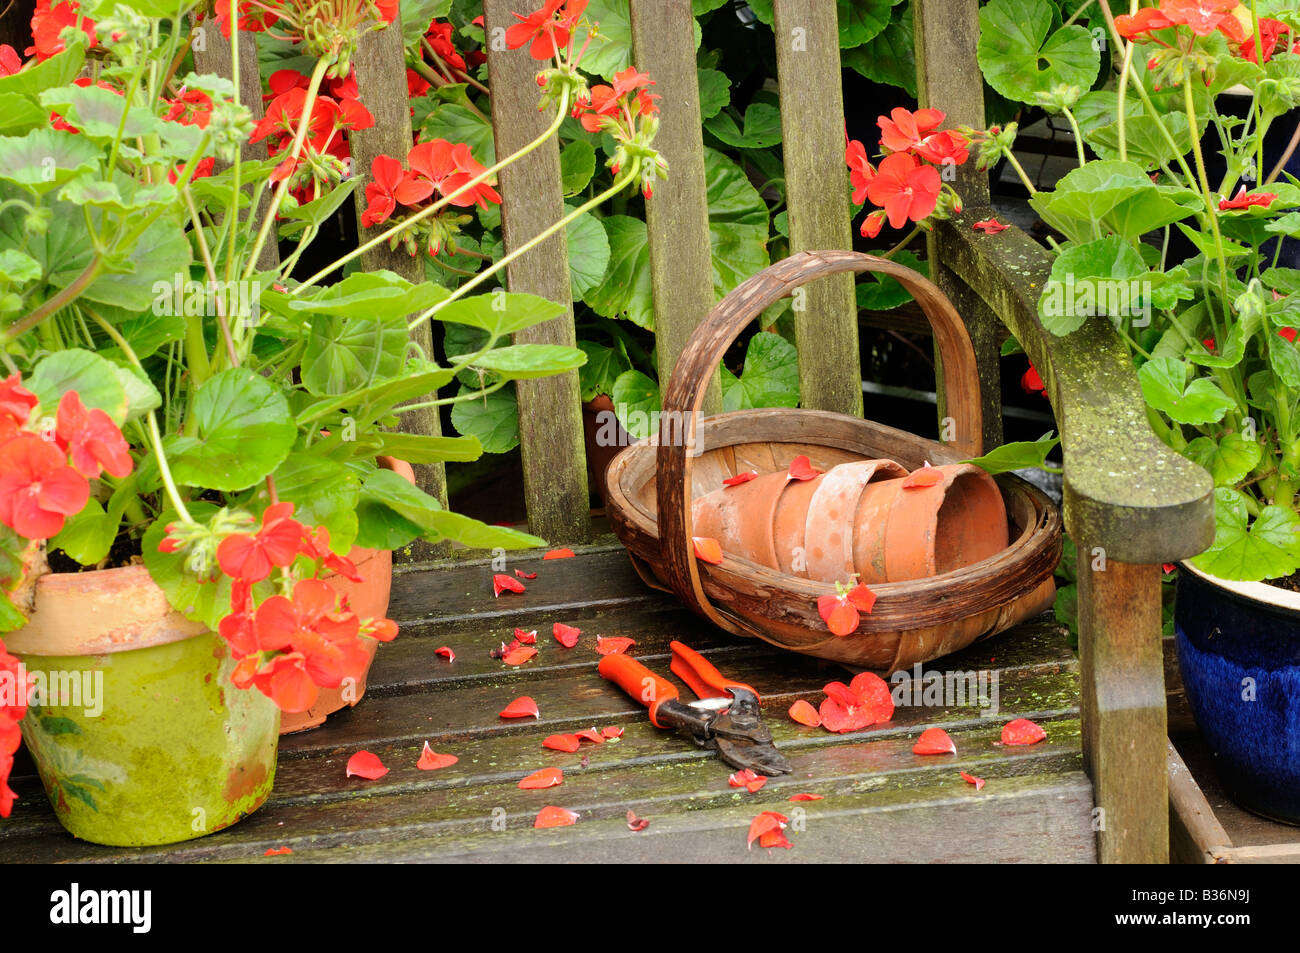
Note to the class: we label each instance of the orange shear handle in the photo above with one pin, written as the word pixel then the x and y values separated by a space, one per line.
pixel 697 672
pixel 638 681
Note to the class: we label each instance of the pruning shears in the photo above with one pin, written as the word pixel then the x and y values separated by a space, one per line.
pixel 726 718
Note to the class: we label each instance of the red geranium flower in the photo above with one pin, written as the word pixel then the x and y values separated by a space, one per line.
pixel 841 612
pixel 1145 20
pixel 285 681
pixel 191 108
pixel 50 20
pixel 1269 32
pixel 16 401
pixel 316 545
pixel 252 18
pixel 1242 200
pixel 860 171
pixel 1031 382
pixel 285 112
pixel 864 702
pixel 546 34
pixel 872 224
pixel 38 489
pixel 91 439
pixel 905 189
pixel 312 624
pixel 439 37
pixel 990 226
pixel 250 556
pixel 1205 16
pixel 10 62
pixel 944 148
pixel 904 131
pixel 392 184
pixel 447 167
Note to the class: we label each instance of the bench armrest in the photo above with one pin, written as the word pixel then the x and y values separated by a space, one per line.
pixel 1125 490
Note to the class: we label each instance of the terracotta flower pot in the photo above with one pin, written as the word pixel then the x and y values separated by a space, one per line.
pixel 368 598
pixel 857 517
pixel 139 736
pixel 597 431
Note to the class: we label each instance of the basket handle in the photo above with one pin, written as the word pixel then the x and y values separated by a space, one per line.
pixel 684 395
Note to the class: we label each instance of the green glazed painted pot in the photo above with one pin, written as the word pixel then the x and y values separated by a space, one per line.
pixel 140 738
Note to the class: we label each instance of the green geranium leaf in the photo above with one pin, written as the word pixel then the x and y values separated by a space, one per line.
pixel 889 57
pixel 1018 455
pixel 501 313
pixel 1229 459
pixel 611 51
pixel 45 158
pixel 636 402
pixel 1164 387
pixel 18 268
pixel 243 431
pixel 1285 361
pixel 493 419
pixel 59 70
pixel 345 354
pixel 97 112
pixel 625 291
pixel 762 127
pixel 455 123
pixel 375 294
pixel 520 361
pixel 738 222
pixel 862 20
pixel 324 493
pixel 1020 55
pixel 318 211
pixel 577 166
pixel 1118 195
pixel 479 535
pixel 1267 548
pixel 715 92
pixel 603 366
pixel 94 379
pixel 879 292
pixel 1090 279
pixel 18 114
pixel 588 254
pixel 421 448
pixel 770 377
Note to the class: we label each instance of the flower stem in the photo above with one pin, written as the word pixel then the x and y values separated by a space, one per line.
pixel 619 184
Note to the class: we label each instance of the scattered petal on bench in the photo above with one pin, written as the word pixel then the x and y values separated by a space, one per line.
pixel 934 741
pixel 1022 731
pixel 545 778
pixel 519 656
pixel 525 575
pixel 562 743
pixel 559 554
pixel 526 638
pixel 566 635
pixel 521 707
pixel 552 816
pixel 613 646
pixel 804 713
pixel 590 734
pixel 971 779
pixel 445 652
pixel 612 731
pixel 805 797
pixel 767 823
pixel 363 764
pixel 432 761
pixel 274 851
pixel 502 583
pixel 740 478
pixel 635 823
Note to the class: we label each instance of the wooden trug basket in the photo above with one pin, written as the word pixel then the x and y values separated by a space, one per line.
pixel 913 621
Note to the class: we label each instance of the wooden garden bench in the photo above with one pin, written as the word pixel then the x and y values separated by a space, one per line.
pixel 1130 504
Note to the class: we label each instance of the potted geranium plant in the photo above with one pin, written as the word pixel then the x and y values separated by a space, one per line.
pixel 202 436
pixel 1212 330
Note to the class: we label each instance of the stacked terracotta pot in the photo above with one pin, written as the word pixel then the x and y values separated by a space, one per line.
pixel 864 517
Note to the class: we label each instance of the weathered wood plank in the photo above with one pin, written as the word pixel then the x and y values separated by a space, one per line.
pixel 812 132
pixel 1195 834
pixel 550 415
pixel 1122 675
pixel 677 214
pixel 380 65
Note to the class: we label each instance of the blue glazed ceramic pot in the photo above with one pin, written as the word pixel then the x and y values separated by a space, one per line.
pixel 1239 652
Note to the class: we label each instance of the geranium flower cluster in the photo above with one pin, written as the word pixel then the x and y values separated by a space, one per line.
pixel 627 111
pixel 907 185
pixel 303 638
pixel 438 53
pixel 433 171
pixel 48 23
pixel 1202 17
pixel 46 466
pixel 326 155
pixel 323 27
pixel 12 709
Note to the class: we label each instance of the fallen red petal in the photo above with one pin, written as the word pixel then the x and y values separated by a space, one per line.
pixel 611 732
pixel 801 468
pixel 862 598
pixel 590 734
pixel 363 764
pixel 990 226
pixel 806 797
pixel 765 823
pixel 502 583
pixel 740 478
pixel 774 839
pixel 840 617
pixel 562 743
pixel 526 638
pixel 552 816
pixel 525 575
pixel 431 761
pixel 925 476
pixel 545 778
pixel 934 741
pixel 971 779
pixel 613 646
pixel 445 652
pixel 566 635
pixel 274 851
pixel 1022 731
pixel 519 656
pixel 755 784
pixel 707 548
pixel 559 554
pixel 521 707
pixel 740 778
pixel 635 823
pixel 804 713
